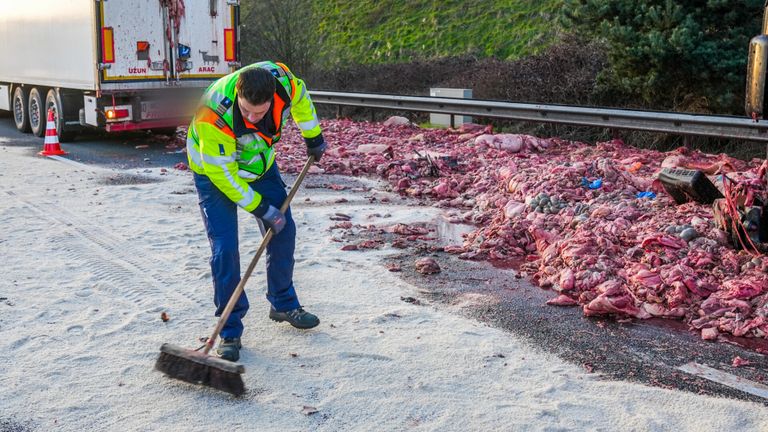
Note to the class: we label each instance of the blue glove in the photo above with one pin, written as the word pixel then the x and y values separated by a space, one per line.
pixel 270 216
pixel 316 147
pixel 594 184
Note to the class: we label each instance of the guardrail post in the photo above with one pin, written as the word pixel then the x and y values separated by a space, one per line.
pixel 449 120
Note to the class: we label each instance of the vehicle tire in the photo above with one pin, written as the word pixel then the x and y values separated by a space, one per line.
pixel 19 109
pixel 54 101
pixel 37 116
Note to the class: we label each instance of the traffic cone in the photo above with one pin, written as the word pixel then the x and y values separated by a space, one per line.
pixel 51 146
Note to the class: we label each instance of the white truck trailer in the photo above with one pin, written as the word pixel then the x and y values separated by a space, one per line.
pixel 114 65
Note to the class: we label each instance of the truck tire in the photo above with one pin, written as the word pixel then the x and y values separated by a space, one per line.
pixel 54 101
pixel 19 109
pixel 37 116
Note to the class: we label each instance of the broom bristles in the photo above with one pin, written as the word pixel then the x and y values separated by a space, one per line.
pixel 197 368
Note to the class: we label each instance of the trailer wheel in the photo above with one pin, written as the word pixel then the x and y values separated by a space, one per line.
pixel 53 101
pixel 20 116
pixel 37 115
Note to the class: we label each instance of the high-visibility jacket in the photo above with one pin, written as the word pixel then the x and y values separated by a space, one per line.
pixel 231 151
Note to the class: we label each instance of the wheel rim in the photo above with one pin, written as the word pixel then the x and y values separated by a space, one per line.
pixel 52 106
pixel 34 113
pixel 18 110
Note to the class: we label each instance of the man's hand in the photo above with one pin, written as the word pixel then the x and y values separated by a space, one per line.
pixel 271 216
pixel 316 147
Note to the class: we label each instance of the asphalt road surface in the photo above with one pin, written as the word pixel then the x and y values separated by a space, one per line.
pixel 124 150
pixel 655 352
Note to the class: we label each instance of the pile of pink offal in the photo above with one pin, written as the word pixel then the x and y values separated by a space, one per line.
pixel 571 213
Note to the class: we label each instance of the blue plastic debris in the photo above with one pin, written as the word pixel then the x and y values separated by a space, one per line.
pixel 649 195
pixel 594 184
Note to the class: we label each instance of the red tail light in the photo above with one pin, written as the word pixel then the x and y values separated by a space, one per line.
pixel 116 114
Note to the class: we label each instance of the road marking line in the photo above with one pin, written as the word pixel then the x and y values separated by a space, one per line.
pixel 730 380
pixel 71 162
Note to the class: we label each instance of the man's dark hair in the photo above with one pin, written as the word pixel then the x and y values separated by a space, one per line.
pixel 256 85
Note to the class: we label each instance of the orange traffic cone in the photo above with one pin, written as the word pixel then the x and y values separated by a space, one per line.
pixel 51 146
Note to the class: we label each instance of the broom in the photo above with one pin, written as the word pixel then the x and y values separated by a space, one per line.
pixel 198 367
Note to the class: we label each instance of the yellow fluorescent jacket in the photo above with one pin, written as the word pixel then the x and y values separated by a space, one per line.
pixel 231 161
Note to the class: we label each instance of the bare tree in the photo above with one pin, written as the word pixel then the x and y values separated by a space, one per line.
pixel 279 30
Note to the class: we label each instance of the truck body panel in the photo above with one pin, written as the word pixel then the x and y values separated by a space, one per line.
pixel 89 59
pixel 129 28
pixel 48 43
pixel 191 57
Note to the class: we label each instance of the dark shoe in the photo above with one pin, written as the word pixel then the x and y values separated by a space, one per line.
pixel 298 318
pixel 229 349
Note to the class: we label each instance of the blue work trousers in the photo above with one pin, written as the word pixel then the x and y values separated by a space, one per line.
pixel 220 219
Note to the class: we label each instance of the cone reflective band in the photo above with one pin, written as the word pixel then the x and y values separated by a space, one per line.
pixel 51 145
pixel 107 45
pixel 229 45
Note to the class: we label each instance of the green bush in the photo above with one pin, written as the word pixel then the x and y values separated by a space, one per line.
pixel 685 55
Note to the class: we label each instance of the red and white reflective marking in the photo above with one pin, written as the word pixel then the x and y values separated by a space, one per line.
pixel 50 133
pixel 51 145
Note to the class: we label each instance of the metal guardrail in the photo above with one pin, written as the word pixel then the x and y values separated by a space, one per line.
pixel 675 123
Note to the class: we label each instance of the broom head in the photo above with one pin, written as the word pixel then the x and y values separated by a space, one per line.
pixel 198 368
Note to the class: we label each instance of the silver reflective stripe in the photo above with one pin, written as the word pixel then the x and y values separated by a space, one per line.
pixel 287 87
pixel 309 125
pixel 253 159
pixel 247 174
pixel 216 97
pixel 245 139
pixel 221 161
pixel 194 153
pixel 267 162
pixel 258 143
pixel 248 195
pixel 280 71
pixel 303 92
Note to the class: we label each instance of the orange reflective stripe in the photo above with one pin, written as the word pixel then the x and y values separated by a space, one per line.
pixel 248 124
pixel 207 115
pixel 293 84
pixel 277 110
pixel 266 138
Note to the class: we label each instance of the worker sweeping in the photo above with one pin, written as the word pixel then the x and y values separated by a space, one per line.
pixel 231 151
